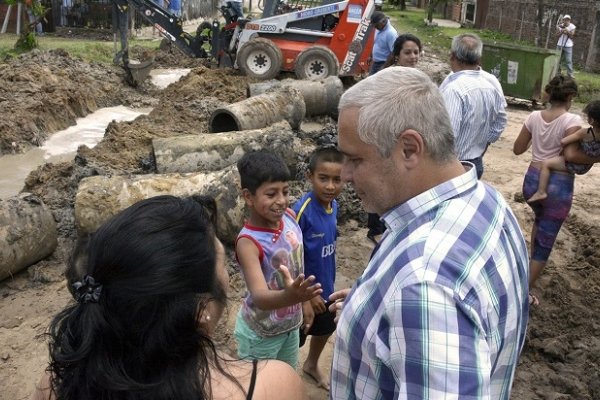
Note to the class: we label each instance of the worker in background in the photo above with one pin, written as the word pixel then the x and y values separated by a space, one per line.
pixel 385 35
pixel 566 31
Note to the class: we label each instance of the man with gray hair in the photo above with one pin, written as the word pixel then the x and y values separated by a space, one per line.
pixel 474 100
pixel 441 309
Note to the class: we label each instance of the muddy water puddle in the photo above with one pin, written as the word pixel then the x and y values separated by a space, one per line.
pixel 61 146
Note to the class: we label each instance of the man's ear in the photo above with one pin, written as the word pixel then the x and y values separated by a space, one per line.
pixel 411 145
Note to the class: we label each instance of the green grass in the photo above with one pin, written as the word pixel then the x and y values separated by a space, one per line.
pixel 437 38
pixel 87 50
pixel 588 85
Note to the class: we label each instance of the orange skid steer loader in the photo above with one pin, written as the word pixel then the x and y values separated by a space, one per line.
pixel 312 39
pixel 313 42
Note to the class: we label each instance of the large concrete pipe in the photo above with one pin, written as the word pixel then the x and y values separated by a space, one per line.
pixel 27 233
pixel 321 97
pixel 260 111
pixel 215 151
pixel 100 197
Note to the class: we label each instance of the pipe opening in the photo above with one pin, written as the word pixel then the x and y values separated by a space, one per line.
pixel 223 122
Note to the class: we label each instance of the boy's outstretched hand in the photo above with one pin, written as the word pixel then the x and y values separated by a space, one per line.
pixel 299 290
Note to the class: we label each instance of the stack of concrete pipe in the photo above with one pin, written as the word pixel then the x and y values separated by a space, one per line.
pixel 272 101
pixel 320 97
pixel 205 164
pixel 196 164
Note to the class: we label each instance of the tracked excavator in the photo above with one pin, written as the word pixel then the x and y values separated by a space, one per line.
pixel 312 38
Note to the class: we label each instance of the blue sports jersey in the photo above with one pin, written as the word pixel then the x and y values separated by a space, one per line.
pixel 319 233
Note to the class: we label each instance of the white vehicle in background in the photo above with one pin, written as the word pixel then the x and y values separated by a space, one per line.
pixel 378 5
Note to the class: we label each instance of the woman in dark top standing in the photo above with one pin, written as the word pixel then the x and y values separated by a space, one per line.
pixel 150 287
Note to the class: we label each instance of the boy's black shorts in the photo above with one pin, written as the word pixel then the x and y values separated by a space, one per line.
pixel 323 324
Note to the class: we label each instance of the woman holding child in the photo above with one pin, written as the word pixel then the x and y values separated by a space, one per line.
pixel 547 132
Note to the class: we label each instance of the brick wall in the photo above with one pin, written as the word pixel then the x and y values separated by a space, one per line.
pixel 535 20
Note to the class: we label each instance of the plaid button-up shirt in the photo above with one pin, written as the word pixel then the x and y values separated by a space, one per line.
pixel 441 310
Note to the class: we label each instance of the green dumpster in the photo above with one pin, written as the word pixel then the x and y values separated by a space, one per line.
pixel 522 71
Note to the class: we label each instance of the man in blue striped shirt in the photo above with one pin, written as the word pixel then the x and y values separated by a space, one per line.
pixel 474 99
pixel 440 311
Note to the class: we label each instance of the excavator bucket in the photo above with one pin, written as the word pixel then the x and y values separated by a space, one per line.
pixel 138 71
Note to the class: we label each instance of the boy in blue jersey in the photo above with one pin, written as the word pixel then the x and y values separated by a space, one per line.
pixel 316 213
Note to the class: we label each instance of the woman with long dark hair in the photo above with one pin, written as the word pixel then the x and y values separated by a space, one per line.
pixel 150 287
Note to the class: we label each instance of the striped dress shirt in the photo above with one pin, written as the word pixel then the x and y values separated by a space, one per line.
pixel 477 108
pixel 441 310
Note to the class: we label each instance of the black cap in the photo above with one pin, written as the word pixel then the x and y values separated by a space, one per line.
pixel 377 17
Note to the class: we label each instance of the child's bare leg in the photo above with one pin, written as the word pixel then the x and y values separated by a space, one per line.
pixel 549 165
pixel 311 365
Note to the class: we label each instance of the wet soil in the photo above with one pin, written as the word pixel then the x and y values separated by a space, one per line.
pixel 43 92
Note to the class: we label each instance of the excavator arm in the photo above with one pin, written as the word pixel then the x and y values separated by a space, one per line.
pixel 171 28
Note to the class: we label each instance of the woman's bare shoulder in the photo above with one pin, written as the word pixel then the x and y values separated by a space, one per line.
pixel 274 380
pixel 278 380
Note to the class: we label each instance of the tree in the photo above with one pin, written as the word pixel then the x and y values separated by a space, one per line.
pixel 27 39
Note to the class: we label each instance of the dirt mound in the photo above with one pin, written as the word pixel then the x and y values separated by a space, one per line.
pixel 82 33
pixel 184 108
pixel 45 91
pixel 170 56
pixel 564 332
